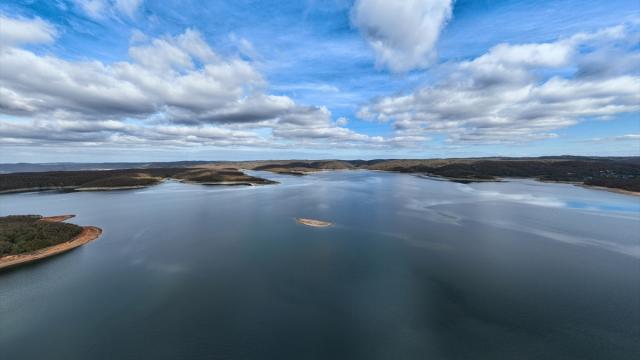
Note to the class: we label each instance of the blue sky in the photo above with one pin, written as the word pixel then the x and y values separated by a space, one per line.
pixel 318 79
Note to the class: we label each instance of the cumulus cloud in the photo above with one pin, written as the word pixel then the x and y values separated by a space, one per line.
pixel 163 78
pixel 25 31
pixel 175 90
pixel 403 34
pixel 116 132
pixel 521 92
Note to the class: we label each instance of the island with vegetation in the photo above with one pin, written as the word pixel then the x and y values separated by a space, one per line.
pixel 28 238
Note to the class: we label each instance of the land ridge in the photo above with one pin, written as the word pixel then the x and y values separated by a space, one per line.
pixel 121 179
pixel 612 173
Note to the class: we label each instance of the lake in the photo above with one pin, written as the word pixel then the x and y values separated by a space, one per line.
pixel 412 269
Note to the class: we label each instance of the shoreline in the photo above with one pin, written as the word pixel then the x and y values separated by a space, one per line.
pixel 227 183
pixel 132 187
pixel 56 218
pixel 71 189
pixel 88 234
pixel 592 187
pixel 613 190
pixel 454 179
pixel 38 189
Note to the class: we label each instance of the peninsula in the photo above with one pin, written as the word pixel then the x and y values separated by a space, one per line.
pixel 122 179
pixel 29 238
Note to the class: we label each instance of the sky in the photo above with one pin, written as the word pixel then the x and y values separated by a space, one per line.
pixel 142 80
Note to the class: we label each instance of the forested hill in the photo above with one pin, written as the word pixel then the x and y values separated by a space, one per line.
pixel 21 234
pixel 611 172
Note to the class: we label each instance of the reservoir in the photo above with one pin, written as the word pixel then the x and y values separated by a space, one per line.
pixel 411 268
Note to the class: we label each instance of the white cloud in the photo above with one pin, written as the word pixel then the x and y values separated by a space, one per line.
pixel 633 138
pixel 128 7
pixel 245 47
pixel 170 53
pixel 114 132
pixel 404 33
pixel 501 96
pixel 93 8
pixel 138 37
pixel 163 78
pixel 98 9
pixel 342 121
pixel 315 87
pixel 25 31
pixel 175 90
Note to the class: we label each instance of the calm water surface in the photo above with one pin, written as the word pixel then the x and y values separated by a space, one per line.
pixel 413 269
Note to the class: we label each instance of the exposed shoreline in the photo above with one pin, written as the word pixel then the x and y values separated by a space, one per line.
pixel 112 188
pixel 133 187
pixel 37 189
pixel 72 189
pixel 456 179
pixel 227 183
pixel 591 187
pixel 613 190
pixel 88 234
pixel 313 223
pixel 56 218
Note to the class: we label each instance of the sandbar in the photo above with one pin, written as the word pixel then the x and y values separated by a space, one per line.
pixel 314 223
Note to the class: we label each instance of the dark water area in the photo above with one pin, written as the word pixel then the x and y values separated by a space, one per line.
pixel 412 269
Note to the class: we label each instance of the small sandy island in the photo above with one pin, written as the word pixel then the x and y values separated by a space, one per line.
pixel 88 234
pixel 314 223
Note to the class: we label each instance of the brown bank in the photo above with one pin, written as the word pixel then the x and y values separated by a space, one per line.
pixel 88 234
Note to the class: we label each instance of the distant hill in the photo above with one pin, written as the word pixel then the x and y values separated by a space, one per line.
pixel 611 172
pixel 69 166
